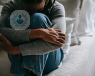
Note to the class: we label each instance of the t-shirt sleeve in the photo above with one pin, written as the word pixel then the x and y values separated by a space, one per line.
pixel 57 17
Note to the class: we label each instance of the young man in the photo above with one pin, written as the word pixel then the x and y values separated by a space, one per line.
pixel 37 50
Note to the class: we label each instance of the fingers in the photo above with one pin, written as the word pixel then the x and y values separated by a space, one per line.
pixel 61 34
pixel 59 43
pixel 3 37
pixel 63 37
pixel 57 30
pixel 61 40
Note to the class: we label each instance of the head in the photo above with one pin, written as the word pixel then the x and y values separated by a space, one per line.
pixel 34 6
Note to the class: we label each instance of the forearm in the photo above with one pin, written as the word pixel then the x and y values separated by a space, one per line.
pixel 37 47
pixel 16 37
pixel 35 33
pixel 15 50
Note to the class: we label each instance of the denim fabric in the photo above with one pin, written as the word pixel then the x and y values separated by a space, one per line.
pixel 39 64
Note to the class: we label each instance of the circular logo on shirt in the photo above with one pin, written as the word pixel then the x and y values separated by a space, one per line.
pixel 20 20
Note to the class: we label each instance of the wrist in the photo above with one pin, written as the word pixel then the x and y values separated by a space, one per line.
pixel 16 50
pixel 35 33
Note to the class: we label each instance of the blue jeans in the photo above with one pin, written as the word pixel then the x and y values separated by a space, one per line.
pixel 39 64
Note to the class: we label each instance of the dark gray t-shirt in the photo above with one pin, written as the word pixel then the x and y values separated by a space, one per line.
pixel 21 37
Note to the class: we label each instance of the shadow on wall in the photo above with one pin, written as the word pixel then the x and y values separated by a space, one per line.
pixel 2 2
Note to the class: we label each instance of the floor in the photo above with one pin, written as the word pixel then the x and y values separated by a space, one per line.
pixel 4 64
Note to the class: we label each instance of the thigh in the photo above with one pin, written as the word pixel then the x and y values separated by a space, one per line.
pixel 53 60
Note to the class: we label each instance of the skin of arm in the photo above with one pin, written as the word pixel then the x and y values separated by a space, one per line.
pixel 44 43
pixel 7 46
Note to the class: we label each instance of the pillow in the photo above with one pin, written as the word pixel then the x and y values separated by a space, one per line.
pixel 69 28
pixel 72 8
pixel 87 18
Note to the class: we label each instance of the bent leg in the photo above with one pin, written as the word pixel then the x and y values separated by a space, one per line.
pixel 39 20
pixel 38 63
pixel 53 60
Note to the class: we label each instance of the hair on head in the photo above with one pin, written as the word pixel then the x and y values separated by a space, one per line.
pixel 32 1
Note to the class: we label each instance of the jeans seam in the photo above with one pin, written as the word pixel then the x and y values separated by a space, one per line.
pixel 34 61
pixel 31 69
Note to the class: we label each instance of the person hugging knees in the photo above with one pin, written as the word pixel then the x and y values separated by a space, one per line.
pixel 37 50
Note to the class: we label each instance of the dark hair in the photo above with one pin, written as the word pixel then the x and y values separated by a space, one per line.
pixel 48 4
pixel 32 1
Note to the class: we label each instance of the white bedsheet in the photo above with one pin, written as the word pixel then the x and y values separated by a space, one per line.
pixel 80 61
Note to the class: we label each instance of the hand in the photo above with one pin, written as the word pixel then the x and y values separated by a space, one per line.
pixel 7 46
pixel 53 36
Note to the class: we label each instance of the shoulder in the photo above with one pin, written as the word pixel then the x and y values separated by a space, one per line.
pixel 58 9
pixel 58 5
pixel 8 7
pixel 11 6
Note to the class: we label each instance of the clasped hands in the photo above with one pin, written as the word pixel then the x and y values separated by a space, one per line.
pixel 53 36
pixel 50 35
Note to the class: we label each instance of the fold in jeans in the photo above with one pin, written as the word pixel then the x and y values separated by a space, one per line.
pixel 39 64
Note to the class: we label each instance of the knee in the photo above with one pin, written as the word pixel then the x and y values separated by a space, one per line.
pixel 38 15
pixel 40 20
